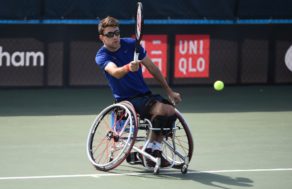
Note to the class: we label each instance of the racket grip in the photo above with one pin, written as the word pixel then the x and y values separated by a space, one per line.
pixel 136 56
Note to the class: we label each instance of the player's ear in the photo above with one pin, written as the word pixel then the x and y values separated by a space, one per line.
pixel 100 37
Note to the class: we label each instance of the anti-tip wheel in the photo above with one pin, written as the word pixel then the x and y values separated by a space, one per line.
pixel 184 169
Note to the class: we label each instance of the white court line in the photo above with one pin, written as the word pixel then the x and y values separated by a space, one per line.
pixel 136 174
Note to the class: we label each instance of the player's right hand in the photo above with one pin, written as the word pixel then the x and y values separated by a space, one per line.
pixel 135 65
pixel 174 97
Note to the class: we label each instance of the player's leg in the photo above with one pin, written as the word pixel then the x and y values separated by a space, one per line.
pixel 160 113
pixel 163 116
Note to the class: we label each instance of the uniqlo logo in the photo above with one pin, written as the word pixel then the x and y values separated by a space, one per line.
pixel 192 56
pixel 156 46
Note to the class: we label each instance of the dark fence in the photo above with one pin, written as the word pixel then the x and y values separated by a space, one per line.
pixel 158 9
pixel 63 55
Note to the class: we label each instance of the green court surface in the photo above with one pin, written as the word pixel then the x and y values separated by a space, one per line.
pixel 242 137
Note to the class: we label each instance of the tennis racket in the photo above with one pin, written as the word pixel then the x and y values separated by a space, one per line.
pixel 138 29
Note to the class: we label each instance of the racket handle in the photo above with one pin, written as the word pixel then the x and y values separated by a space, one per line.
pixel 136 56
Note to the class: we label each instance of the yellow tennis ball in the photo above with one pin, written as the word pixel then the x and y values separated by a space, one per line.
pixel 219 85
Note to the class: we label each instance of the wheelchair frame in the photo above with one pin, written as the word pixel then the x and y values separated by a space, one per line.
pixel 114 135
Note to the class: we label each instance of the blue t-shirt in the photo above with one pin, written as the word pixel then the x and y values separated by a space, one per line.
pixel 132 84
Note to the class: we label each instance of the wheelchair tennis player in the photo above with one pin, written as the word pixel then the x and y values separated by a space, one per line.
pixel 115 59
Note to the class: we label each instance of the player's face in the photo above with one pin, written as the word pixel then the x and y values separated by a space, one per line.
pixel 111 38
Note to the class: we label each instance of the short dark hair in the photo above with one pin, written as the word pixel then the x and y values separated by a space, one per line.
pixel 107 22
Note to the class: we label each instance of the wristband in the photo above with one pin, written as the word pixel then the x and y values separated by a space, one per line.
pixel 127 67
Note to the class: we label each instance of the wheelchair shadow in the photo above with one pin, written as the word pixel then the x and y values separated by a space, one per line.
pixel 212 179
pixel 209 179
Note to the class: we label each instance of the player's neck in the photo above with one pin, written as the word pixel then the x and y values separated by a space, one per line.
pixel 112 49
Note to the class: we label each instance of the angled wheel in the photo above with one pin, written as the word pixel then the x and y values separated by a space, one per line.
pixel 178 145
pixel 111 136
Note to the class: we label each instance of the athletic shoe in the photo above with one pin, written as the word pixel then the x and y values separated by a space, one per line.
pixel 164 162
pixel 134 158
pixel 157 153
pixel 149 162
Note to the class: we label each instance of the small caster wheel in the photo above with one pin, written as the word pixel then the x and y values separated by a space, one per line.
pixel 184 169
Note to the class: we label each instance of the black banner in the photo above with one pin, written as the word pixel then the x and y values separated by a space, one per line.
pixel 159 9
pixel 64 55
pixel 22 62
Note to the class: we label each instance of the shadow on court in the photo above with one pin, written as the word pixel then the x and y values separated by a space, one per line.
pixel 209 179
pixel 90 101
pixel 216 180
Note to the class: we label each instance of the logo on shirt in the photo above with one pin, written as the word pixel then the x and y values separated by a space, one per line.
pixel 114 58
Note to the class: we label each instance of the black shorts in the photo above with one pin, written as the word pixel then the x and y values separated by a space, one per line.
pixel 143 103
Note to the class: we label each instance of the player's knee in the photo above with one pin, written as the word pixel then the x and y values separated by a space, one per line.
pixel 163 124
pixel 162 109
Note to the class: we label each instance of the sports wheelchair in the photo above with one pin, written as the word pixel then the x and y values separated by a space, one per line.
pixel 114 135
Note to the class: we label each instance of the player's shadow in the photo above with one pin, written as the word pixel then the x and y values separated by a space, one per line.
pixel 220 181
pixel 210 179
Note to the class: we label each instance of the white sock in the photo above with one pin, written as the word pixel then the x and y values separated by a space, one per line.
pixel 154 145
pixel 157 146
pixel 150 145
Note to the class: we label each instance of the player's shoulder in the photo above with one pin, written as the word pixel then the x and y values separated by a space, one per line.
pixel 101 50
pixel 101 54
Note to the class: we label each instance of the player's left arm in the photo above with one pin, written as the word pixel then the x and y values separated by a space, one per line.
pixel 153 69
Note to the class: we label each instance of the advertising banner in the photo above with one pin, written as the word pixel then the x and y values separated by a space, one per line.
pixel 192 56
pixel 22 62
pixel 156 46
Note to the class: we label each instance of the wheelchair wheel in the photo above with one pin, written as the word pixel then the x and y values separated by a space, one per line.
pixel 112 136
pixel 178 145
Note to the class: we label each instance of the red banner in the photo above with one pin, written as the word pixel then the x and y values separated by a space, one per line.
pixel 156 46
pixel 192 56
